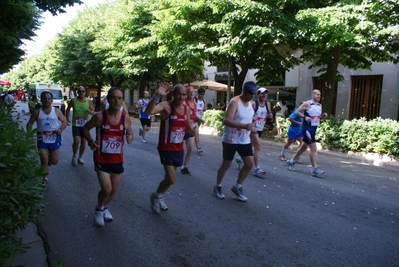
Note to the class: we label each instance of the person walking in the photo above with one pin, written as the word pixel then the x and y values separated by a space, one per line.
pixel 238 125
pixel 311 113
pixel 50 124
pixel 294 133
pixel 144 118
pixel 82 108
pixel 189 141
pixel 201 108
pixel 113 126
pixel 175 122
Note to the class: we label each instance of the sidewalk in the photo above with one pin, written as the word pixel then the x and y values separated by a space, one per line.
pixel 36 254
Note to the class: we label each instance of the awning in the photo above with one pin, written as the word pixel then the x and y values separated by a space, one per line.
pixel 5 83
pixel 211 85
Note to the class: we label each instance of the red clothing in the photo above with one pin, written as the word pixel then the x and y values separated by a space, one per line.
pixel 172 130
pixel 193 110
pixel 110 140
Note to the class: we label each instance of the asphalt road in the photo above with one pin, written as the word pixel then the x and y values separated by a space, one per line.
pixel 348 217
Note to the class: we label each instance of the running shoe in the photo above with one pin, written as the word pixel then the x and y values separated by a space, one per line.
pixel 81 161
pixel 143 141
pixel 299 161
pixel 45 182
pixel 140 131
pixel 199 150
pixel 239 192
pixel 74 161
pixel 185 171
pixel 162 204
pixel 99 217
pixel 107 215
pixel 217 191
pixel 317 172
pixel 259 171
pixel 155 204
pixel 282 157
pixel 291 165
pixel 239 163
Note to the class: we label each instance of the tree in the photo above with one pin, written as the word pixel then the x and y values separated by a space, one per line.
pixel 354 34
pixel 249 34
pixel 18 21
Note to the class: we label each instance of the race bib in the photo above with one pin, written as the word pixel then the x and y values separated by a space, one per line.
pixel 241 134
pixel 200 113
pixel 177 135
pixel 80 121
pixel 112 144
pixel 315 121
pixel 49 137
pixel 260 122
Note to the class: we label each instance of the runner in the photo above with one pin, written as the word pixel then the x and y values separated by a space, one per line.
pixel 82 108
pixel 236 138
pixel 50 124
pixel 144 118
pixel 311 112
pixel 112 126
pixel 175 122
pixel 201 108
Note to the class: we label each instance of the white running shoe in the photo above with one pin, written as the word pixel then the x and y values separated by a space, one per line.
pixel 74 161
pixel 162 204
pixel 259 171
pixel 317 172
pixel 143 141
pixel 81 161
pixel 217 191
pixel 291 165
pixel 155 204
pixel 239 192
pixel 99 217
pixel 107 215
pixel 282 157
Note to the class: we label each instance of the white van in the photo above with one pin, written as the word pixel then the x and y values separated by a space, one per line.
pixel 35 89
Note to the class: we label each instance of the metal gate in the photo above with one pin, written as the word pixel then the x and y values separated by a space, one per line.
pixel 365 98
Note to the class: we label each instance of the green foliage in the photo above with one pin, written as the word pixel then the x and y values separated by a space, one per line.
pixel 18 22
pixel 214 118
pixel 283 124
pixel 21 199
pixel 360 135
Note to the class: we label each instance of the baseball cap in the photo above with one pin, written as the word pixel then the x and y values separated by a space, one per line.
pixel 250 87
pixel 262 90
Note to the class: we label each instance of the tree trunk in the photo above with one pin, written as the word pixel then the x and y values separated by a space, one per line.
pixel 328 92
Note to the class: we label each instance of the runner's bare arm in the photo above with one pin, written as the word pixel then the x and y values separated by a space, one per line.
pixel 32 119
pixel 63 120
pixel 129 131
pixel 95 122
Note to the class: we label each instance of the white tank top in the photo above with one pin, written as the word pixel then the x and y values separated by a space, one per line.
pixel 200 108
pixel 260 117
pixel 47 125
pixel 243 115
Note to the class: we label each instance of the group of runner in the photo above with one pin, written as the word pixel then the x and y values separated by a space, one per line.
pixel 180 119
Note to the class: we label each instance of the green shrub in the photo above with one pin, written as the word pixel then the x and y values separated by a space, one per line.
pixel 360 135
pixel 21 198
pixel 214 118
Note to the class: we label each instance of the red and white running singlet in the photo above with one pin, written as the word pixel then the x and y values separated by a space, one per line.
pixel 172 131
pixel 110 141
